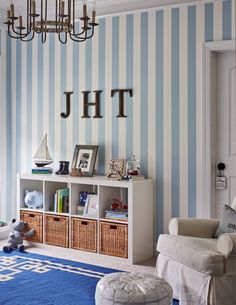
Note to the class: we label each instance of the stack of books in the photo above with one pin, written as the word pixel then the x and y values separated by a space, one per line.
pixel 42 170
pixel 117 215
pixel 61 201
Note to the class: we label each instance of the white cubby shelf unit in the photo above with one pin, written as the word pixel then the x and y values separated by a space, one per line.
pixel 137 194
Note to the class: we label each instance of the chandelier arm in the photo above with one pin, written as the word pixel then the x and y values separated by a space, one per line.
pixel 61 41
pixel 20 34
pixel 77 39
pixel 27 40
pixel 43 37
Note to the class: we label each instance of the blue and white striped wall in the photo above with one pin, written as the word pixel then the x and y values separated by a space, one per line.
pixel 158 53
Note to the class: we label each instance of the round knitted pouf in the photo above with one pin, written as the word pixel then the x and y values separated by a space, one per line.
pixel 138 288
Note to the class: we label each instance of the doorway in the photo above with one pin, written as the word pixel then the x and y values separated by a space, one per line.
pixel 218 129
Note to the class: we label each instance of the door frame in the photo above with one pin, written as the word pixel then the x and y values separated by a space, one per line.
pixel 209 51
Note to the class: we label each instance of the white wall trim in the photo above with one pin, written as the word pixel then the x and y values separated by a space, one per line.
pixel 209 50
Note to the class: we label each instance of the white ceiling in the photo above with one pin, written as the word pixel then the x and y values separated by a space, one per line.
pixel 103 7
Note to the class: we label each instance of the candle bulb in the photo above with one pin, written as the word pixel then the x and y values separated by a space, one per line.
pixel 84 10
pixel 62 7
pixel 12 10
pixel 93 16
pixel 33 7
pixel 20 21
pixel 8 14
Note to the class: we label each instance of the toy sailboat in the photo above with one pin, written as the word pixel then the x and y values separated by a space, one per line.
pixel 42 156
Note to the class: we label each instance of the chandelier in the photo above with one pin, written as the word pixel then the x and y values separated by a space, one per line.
pixel 63 23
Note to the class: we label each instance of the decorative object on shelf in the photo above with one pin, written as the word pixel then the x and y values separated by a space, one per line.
pixel 84 159
pixel 42 156
pixel 116 169
pixel 33 199
pixel 63 168
pixel 91 206
pixel 42 18
pixel 15 240
pixel 132 167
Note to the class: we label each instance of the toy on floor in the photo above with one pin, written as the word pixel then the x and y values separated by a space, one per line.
pixel 15 240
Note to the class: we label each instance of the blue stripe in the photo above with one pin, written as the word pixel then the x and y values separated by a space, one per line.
pixel 63 102
pixel 144 93
pixel 9 190
pixel 175 111
pixel 227 20
pixel 88 86
pixel 101 81
pixel 209 22
pixel 192 111
pixel 18 106
pixel 115 85
pixel 129 83
pixel 40 91
pixel 76 97
pixel 159 121
pixel 52 114
pixel 29 105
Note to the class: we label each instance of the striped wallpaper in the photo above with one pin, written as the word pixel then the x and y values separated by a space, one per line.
pixel 158 54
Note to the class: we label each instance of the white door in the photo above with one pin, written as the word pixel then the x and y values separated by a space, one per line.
pixel 226 126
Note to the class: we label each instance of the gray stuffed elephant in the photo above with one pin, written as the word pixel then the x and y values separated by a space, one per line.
pixel 15 240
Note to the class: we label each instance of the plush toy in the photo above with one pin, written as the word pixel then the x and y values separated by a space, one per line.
pixel 15 240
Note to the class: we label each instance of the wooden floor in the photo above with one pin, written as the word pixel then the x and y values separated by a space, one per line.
pixel 86 257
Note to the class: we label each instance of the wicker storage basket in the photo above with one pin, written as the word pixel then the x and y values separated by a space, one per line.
pixel 84 234
pixel 56 230
pixel 33 220
pixel 113 239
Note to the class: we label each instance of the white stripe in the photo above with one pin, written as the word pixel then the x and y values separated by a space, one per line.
pixel 217 34
pixel 183 115
pixel 82 87
pixel 199 108
pixel 95 85
pixel 69 87
pixel 151 93
pixel 57 105
pixel 108 86
pixel 45 101
pixel 233 19
pixel 34 96
pixel 24 112
pixel 13 124
pixel 167 118
pixel 136 91
pixel 122 84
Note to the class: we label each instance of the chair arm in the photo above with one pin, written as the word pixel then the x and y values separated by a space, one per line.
pixel 193 227
pixel 227 244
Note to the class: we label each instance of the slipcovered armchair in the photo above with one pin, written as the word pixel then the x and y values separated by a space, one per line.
pixel 200 268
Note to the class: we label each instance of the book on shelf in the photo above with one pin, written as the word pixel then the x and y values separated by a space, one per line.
pixel 42 170
pixel 117 215
pixel 61 201
pixel 91 206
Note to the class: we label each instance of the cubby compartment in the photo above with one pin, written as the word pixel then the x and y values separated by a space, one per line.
pixel 84 234
pixel 56 230
pixel 51 187
pixel 113 239
pixel 34 221
pixel 30 186
pixel 76 191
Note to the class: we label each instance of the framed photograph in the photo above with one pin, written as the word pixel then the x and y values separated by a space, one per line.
pixel 116 169
pixel 84 159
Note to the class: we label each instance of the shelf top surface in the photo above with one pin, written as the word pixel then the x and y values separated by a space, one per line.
pixel 99 180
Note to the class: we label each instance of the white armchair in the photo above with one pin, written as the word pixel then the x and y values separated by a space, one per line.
pixel 201 269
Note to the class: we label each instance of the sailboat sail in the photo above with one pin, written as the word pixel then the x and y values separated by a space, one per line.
pixel 42 156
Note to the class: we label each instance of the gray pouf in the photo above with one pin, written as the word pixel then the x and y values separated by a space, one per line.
pixel 138 288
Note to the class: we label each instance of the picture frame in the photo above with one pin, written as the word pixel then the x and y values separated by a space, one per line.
pixel 84 159
pixel 116 169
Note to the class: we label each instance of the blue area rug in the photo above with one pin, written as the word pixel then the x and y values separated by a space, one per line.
pixel 32 279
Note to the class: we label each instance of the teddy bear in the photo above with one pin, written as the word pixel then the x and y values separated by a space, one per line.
pixel 15 240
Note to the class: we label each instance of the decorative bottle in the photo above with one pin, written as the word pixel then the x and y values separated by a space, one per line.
pixel 133 166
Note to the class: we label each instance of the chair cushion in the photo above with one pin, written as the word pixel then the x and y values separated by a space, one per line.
pixel 227 222
pixel 197 253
